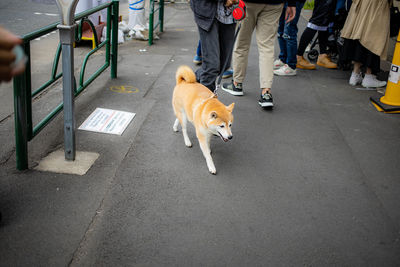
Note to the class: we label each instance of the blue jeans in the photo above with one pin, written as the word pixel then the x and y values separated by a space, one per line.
pixel 287 37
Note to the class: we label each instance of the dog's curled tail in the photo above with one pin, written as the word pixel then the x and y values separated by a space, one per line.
pixel 185 73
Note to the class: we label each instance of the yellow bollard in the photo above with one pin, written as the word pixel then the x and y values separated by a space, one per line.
pixel 390 102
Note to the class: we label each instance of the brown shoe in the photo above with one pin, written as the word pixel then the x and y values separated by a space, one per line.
pixel 325 61
pixel 303 63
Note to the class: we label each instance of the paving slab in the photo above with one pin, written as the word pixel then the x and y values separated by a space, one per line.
pixel 56 162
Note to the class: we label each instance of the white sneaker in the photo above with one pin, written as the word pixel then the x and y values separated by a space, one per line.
pixel 355 78
pixel 278 64
pixel 372 82
pixel 285 70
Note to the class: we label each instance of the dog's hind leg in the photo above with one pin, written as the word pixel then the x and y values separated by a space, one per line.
pixel 205 148
pixel 181 118
pixel 175 127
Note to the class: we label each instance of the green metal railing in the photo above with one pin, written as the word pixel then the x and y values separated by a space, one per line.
pixel 24 129
pixel 160 22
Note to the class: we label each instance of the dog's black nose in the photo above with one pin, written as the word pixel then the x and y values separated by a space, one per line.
pixel 230 137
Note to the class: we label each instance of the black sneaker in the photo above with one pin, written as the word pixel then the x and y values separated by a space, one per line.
pixel 232 89
pixel 266 100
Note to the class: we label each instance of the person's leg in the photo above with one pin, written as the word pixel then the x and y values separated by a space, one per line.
pixel 281 39
pixel 291 31
pixel 226 42
pixel 305 39
pixel 323 41
pixel 198 52
pixel 357 67
pixel 323 58
pixel 356 76
pixel 241 51
pixel 210 49
pixel 372 63
pixel 266 29
pixel 290 37
pixel 242 44
pixel 197 58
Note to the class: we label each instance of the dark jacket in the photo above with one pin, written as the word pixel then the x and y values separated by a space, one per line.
pixel 272 2
pixel 205 10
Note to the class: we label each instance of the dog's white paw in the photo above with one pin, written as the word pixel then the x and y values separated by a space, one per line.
pixel 213 171
pixel 188 143
pixel 210 164
pixel 175 127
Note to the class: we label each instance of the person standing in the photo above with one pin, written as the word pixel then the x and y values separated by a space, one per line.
pixel 285 65
pixel 321 19
pixel 366 39
pixel 263 16
pixel 216 29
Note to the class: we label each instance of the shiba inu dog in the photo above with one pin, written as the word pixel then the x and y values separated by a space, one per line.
pixel 194 102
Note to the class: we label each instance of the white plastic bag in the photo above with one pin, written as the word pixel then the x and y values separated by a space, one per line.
pixel 121 38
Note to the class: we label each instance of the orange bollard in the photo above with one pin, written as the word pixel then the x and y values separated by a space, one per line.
pixel 390 102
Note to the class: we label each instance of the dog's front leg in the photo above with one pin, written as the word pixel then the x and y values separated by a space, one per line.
pixel 205 148
pixel 181 118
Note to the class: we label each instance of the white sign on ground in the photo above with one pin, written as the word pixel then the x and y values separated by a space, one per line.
pixel 108 121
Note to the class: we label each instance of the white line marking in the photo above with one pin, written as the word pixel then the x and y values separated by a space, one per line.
pixel 51 14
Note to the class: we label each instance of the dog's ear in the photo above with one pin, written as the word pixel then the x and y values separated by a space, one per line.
pixel 213 115
pixel 230 107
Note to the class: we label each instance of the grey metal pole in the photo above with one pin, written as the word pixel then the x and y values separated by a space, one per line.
pixel 66 39
pixel 67 34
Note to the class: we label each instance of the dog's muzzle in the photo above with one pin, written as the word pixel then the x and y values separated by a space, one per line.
pixel 225 139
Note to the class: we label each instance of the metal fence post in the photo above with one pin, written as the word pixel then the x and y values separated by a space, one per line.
pixel 151 22
pixel 67 37
pixel 28 89
pixel 114 38
pixel 161 15
pixel 21 107
pixel 108 36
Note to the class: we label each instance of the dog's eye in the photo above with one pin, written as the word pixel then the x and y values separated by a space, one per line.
pixel 230 125
pixel 222 126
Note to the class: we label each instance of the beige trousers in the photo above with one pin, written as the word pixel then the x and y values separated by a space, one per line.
pixel 264 18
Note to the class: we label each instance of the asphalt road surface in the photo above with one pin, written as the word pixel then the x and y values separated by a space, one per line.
pixel 24 16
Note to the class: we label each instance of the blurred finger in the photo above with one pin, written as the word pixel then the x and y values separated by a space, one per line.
pixel 18 70
pixel 6 56
pixel 8 40
pixel 5 73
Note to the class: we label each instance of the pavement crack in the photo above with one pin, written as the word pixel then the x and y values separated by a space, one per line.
pixel 6 118
pixel 7 157
pixel 80 252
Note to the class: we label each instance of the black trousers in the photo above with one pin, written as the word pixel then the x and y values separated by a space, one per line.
pixel 216 47
pixel 354 51
pixel 307 37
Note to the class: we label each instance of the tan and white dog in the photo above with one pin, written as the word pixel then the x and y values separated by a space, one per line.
pixel 194 102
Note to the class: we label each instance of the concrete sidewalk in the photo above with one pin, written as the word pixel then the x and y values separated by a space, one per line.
pixel 314 182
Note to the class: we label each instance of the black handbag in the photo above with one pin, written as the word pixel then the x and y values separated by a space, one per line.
pixel 394 21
